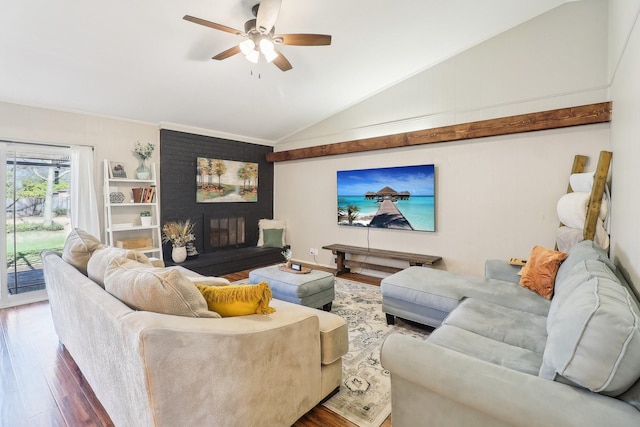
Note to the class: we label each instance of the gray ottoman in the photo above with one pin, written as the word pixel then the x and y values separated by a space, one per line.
pixel 314 289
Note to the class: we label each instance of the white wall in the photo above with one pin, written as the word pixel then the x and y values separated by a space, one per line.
pixel 625 137
pixel 495 197
pixel 111 138
pixel 556 60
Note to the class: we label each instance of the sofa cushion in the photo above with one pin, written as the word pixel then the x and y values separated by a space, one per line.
pixel 580 273
pixel 587 249
pixel 208 280
pixel 102 257
pixel 238 300
pixel 486 349
pixel 154 289
pixel 78 249
pixel 539 273
pixel 594 340
pixel 500 323
pixel 433 288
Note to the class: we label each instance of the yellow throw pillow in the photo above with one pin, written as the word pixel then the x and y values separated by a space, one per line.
pixel 238 300
pixel 539 273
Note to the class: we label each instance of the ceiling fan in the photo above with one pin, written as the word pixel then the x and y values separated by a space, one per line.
pixel 261 38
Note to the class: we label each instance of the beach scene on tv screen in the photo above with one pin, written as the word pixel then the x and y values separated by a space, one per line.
pixel 400 197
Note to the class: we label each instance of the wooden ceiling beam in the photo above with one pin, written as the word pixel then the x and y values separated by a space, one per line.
pixel 542 120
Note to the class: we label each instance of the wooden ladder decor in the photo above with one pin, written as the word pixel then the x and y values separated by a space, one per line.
pixel 599 183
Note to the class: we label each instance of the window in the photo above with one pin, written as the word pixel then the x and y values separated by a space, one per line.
pixel 36 214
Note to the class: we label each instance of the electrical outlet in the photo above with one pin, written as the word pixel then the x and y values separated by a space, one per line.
pixel 313 251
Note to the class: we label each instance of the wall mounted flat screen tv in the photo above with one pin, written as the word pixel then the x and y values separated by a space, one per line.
pixel 395 198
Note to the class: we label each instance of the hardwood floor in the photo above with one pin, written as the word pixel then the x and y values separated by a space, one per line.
pixel 40 384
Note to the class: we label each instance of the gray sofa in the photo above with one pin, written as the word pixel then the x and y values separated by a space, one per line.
pixel 502 355
pixel 154 369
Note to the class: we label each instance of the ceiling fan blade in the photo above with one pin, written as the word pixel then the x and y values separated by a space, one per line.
pixel 227 53
pixel 304 39
pixel 211 24
pixel 282 62
pixel 268 12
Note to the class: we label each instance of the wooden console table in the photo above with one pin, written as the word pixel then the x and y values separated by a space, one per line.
pixel 344 265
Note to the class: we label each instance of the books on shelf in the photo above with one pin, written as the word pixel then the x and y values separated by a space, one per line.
pixel 144 194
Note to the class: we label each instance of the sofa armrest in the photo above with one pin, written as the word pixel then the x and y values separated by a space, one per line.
pixel 501 270
pixel 429 382
pixel 225 367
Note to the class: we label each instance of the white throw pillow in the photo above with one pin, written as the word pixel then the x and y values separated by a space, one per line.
pixel 270 223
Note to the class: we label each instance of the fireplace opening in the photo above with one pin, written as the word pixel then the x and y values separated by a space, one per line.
pixel 226 232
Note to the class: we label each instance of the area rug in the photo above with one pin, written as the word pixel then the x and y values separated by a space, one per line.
pixel 365 394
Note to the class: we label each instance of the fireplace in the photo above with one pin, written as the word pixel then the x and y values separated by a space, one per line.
pixel 224 232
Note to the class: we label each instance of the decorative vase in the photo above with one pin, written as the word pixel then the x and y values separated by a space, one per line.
pixel 143 172
pixel 145 221
pixel 179 254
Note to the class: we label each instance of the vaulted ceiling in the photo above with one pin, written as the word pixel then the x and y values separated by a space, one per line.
pixel 140 60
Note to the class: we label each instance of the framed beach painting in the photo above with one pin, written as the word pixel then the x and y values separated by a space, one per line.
pixel 401 198
pixel 221 181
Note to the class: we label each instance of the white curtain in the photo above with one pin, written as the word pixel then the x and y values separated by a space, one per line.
pixel 84 205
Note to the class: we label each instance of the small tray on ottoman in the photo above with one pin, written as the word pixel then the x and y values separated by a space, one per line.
pixel 313 289
pixel 291 270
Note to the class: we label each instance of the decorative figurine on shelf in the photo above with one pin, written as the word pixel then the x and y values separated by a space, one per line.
pixel 144 151
pixel 287 256
pixel 178 234
pixel 192 252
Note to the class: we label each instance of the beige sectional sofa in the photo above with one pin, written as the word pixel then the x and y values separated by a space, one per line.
pixel 154 369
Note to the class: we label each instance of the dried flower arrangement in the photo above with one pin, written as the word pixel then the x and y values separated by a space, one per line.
pixel 178 233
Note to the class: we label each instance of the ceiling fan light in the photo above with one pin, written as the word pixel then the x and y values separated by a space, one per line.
pixel 269 55
pixel 253 56
pixel 247 46
pixel 267 49
pixel 266 45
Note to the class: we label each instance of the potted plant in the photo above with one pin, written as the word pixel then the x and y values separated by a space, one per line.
pixel 145 218
pixel 178 234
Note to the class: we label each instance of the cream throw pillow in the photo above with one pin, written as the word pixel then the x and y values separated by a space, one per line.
pixel 78 249
pixel 270 223
pixel 159 290
pixel 102 256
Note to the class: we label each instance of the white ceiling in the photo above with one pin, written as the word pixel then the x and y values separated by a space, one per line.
pixel 140 60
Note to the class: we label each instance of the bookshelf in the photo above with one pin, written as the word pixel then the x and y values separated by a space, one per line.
pixel 124 199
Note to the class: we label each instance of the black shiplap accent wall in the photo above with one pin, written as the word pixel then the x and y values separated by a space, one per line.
pixel 178 153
